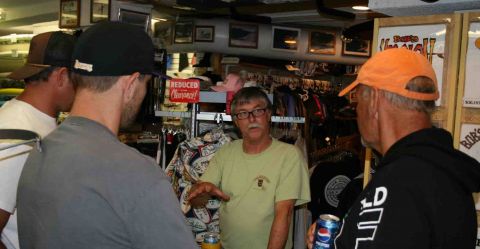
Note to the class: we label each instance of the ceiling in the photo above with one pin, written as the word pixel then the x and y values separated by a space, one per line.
pixel 294 13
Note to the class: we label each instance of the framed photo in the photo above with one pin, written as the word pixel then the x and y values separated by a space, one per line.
pixel 69 14
pixel 285 39
pixel 356 47
pixel 163 32
pixel 322 42
pixel 204 33
pixel 133 17
pixel 183 32
pixel 243 35
pixel 99 10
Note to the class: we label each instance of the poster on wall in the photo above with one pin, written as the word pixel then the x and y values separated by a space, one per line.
pixel 470 140
pixel 470 144
pixel 428 40
pixel 471 96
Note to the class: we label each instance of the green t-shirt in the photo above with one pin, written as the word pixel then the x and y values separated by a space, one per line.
pixel 255 183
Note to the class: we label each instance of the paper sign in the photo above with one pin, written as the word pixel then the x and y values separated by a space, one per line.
pixel 184 90
pixel 471 95
pixel 470 140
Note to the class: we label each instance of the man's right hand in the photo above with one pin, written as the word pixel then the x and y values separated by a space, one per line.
pixel 202 188
pixel 311 235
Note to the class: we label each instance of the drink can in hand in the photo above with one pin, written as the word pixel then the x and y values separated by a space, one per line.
pixel 326 231
pixel 211 241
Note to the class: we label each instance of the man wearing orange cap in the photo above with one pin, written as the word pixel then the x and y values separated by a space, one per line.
pixel 421 193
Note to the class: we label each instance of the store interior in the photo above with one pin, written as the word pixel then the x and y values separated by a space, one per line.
pixel 302 53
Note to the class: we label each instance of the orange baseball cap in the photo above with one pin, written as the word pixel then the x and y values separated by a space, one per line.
pixel 392 69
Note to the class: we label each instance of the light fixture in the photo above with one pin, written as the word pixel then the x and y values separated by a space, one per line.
pixel 183 7
pixel 287 41
pixel 358 7
pixel 155 20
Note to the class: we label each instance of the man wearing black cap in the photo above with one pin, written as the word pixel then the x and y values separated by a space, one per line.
pixel 48 91
pixel 86 189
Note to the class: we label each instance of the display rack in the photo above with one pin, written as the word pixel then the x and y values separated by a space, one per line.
pixel 219 117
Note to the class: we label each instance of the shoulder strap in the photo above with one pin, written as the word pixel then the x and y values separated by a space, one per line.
pixel 18 134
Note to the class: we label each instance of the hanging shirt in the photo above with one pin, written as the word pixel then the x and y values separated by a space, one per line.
pixel 190 161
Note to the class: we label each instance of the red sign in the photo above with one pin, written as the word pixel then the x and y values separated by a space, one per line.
pixel 184 90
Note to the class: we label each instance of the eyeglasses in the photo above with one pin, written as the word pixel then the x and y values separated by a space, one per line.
pixel 256 113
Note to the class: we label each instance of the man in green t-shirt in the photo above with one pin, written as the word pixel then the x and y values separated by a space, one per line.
pixel 260 179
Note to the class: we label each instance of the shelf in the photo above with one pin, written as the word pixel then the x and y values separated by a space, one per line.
pixel 280 119
pixel 213 97
pixel 219 97
pixel 173 114
pixel 213 116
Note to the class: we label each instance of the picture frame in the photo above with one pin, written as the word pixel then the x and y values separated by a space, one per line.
pixel 285 39
pixel 183 32
pixel 322 42
pixel 204 33
pixel 163 31
pixel 99 10
pixel 356 47
pixel 243 35
pixel 69 15
pixel 136 18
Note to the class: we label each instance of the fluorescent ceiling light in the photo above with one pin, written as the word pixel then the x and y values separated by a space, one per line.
pixel 360 8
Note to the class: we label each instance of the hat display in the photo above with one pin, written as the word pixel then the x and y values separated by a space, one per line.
pixel 232 83
pixel 46 49
pixel 113 49
pixel 392 69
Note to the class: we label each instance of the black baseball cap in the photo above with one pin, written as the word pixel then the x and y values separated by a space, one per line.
pixel 113 49
pixel 46 50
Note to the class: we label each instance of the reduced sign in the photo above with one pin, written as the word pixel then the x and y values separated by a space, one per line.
pixel 184 90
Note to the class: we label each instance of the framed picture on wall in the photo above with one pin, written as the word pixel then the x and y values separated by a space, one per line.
pixel 356 47
pixel 69 14
pixel 204 33
pixel 183 32
pixel 285 39
pixel 99 10
pixel 139 19
pixel 163 32
pixel 243 35
pixel 322 42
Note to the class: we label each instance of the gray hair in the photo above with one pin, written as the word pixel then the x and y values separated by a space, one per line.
pixel 247 94
pixel 418 84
